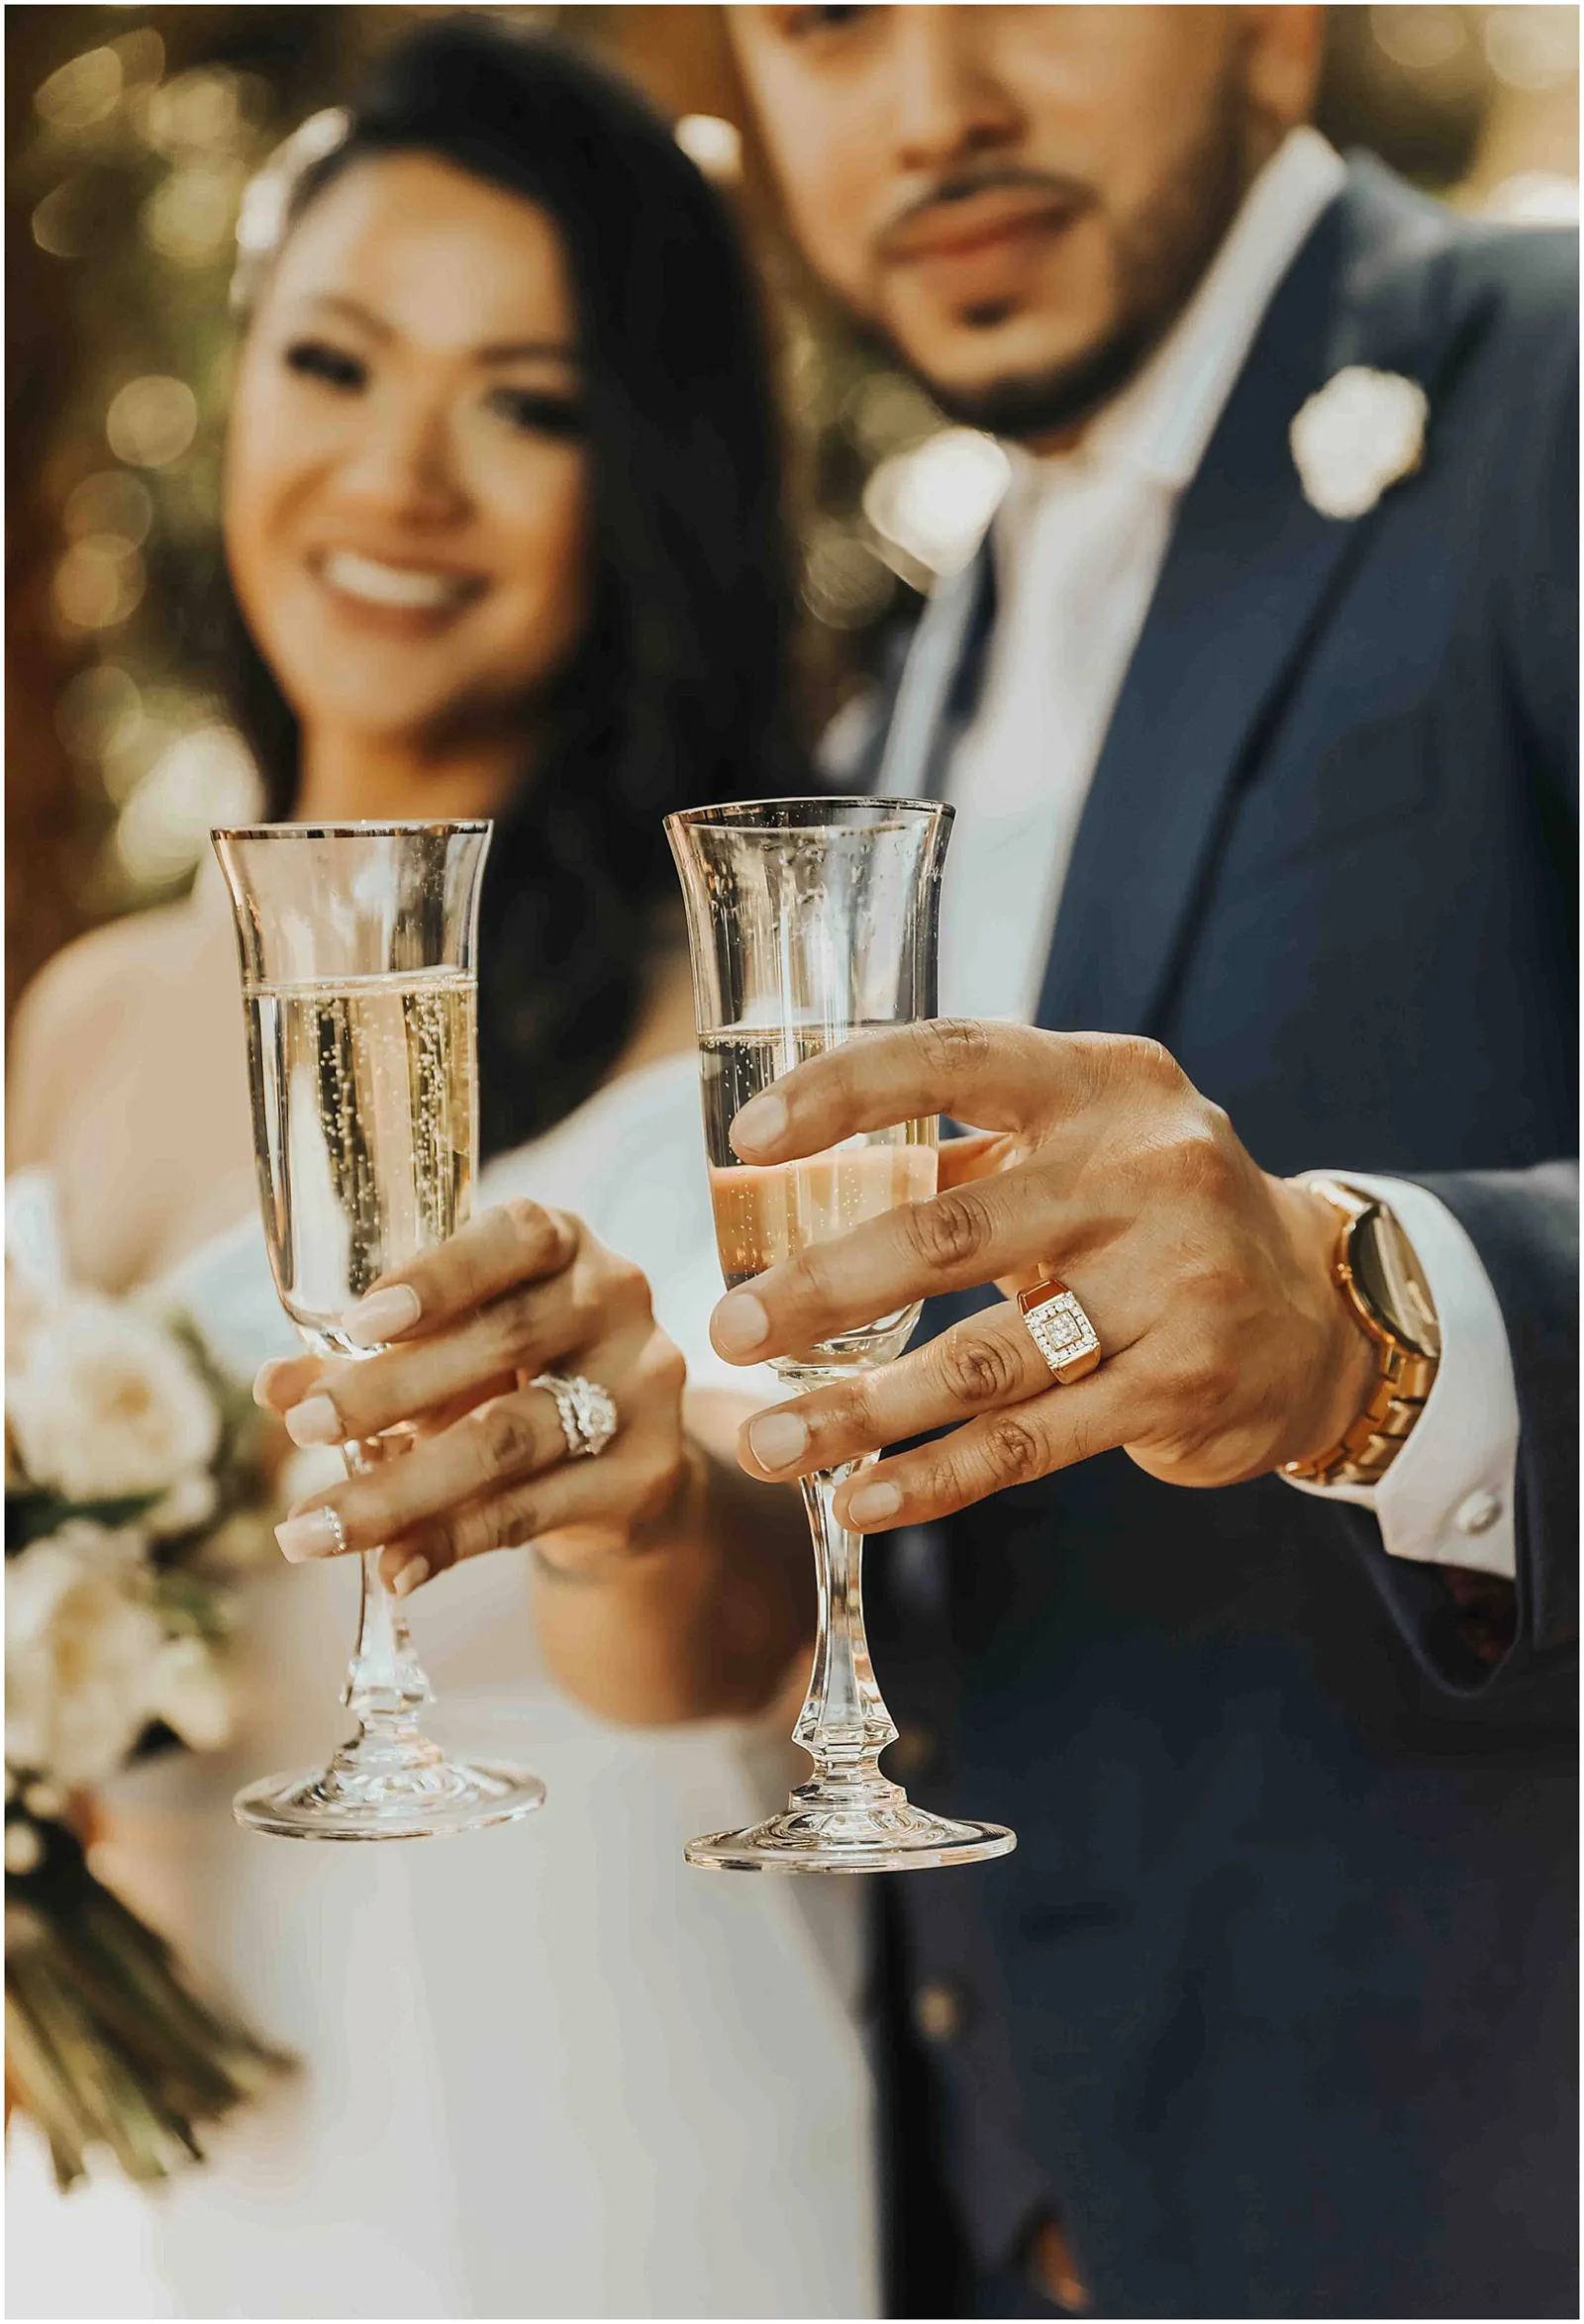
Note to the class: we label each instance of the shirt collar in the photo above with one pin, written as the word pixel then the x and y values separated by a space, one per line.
pixel 1161 424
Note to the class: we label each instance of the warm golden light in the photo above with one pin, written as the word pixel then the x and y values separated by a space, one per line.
pixel 152 421
pixel 99 582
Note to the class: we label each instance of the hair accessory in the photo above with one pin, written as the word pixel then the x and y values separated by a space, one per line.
pixel 266 199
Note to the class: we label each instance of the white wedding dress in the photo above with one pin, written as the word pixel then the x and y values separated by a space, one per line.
pixel 548 2069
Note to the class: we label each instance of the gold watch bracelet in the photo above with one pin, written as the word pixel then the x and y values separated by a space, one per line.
pixel 1404 1377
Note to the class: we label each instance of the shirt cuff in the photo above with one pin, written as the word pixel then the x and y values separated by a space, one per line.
pixel 1448 1498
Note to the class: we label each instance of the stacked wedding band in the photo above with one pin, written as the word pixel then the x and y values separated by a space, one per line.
pixel 1060 1329
pixel 588 1415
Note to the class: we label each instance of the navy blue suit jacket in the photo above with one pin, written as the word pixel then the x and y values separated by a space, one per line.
pixel 1274 2000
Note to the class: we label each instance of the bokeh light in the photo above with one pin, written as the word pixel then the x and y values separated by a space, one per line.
pixel 99 582
pixel 206 777
pixel 932 503
pixel 112 501
pixel 59 221
pixel 152 421
pixel 888 413
pixel 844 584
pixel 99 713
pixel 81 93
pixel 190 218
pixel 1532 49
pixel 1420 40
pixel 712 143
pixel 1534 197
pixel 198 114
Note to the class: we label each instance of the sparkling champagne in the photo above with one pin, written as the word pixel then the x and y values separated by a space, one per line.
pixel 766 1214
pixel 365 1122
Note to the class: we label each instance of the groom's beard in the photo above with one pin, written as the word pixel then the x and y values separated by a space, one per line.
pixel 1159 256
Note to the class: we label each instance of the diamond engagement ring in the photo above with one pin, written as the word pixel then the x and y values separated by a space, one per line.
pixel 1060 1329
pixel 588 1415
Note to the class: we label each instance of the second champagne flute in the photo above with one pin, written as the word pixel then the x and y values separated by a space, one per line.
pixel 813 922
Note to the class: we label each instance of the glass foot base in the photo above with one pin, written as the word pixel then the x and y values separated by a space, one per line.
pixel 411 1794
pixel 896 1837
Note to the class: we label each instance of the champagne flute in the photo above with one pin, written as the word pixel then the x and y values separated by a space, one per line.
pixel 357 945
pixel 812 922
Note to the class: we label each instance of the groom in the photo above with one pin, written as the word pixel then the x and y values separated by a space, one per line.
pixel 1258 707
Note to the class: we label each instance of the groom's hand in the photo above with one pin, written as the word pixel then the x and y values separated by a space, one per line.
pixel 1226 1347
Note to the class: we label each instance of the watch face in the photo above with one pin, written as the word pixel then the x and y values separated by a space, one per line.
pixel 1390 1279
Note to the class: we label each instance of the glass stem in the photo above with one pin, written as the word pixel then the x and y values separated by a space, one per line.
pixel 843 1724
pixel 385 1687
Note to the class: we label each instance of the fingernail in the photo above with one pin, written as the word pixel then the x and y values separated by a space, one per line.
pixel 415 1570
pixel 740 1324
pixel 265 1374
pixel 776 1439
pixel 384 1314
pixel 761 1123
pixel 871 1503
pixel 314 1421
pixel 315 1535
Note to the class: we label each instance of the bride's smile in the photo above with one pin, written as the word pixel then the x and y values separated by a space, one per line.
pixel 389 587
pixel 407 482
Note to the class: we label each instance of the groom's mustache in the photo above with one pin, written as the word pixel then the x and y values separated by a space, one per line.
pixel 980 205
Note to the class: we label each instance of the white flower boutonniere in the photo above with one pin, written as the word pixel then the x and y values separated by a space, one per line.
pixel 1361 431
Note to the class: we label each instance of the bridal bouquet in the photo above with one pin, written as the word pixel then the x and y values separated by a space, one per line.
pixel 132 1490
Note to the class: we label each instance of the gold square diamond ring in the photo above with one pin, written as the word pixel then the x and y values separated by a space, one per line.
pixel 1060 1329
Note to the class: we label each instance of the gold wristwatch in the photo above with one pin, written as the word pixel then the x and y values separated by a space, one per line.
pixel 1380 1278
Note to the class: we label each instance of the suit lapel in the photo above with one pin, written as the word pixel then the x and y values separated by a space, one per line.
pixel 1246 580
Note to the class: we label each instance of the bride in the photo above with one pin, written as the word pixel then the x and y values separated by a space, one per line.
pixel 501 520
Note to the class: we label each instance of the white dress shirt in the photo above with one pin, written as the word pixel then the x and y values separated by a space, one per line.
pixel 1079 542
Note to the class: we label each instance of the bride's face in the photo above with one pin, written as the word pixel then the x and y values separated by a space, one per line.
pixel 406 482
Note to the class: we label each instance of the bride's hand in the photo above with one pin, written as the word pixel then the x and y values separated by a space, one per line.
pixel 462 1331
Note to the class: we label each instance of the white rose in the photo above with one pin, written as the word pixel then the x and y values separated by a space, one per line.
pixel 27 1308
pixel 246 1539
pixel 1361 431
pixel 82 1645
pixel 108 1403
pixel 188 1692
pixel 190 1503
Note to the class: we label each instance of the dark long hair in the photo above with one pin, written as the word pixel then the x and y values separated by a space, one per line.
pixel 678 693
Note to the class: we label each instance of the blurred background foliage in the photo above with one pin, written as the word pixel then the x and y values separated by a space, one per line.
pixel 132 132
